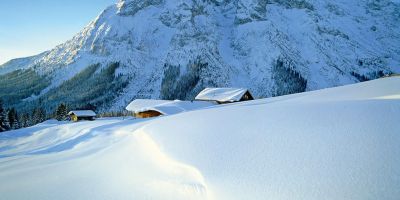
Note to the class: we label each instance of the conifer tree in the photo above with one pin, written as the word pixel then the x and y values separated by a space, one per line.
pixel 61 112
pixel 11 115
pixel 16 124
pixel 25 120
pixel 6 121
pixel 38 116
pixel 2 117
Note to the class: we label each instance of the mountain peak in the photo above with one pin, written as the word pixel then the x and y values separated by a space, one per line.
pixel 173 49
pixel 131 7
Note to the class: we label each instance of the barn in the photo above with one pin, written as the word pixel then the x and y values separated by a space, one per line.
pixel 77 115
pixel 224 95
pixel 144 108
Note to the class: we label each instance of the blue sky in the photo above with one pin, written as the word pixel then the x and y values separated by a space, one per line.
pixel 29 27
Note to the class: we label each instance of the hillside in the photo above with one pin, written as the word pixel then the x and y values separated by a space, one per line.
pixel 172 49
pixel 338 143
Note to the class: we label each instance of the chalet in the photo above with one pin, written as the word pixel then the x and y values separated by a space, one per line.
pixel 144 108
pixel 224 95
pixel 141 108
pixel 77 115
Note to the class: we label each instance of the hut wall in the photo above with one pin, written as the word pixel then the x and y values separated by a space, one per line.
pixel 86 118
pixel 247 96
pixel 147 114
pixel 74 118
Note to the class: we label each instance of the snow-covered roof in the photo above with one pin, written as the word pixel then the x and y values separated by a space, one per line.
pixel 178 106
pixel 139 104
pixel 327 147
pixel 83 113
pixel 166 107
pixel 221 94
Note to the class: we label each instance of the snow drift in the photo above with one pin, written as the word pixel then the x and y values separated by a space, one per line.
pixel 339 143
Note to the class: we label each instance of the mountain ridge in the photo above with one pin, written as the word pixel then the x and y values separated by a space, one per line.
pixel 173 49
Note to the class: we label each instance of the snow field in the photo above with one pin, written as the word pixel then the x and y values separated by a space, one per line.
pixel 339 143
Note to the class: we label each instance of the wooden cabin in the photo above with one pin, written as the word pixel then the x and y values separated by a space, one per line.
pixel 147 114
pixel 247 96
pixel 78 115
pixel 144 108
pixel 224 95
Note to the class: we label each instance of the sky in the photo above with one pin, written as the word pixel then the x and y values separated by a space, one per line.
pixel 29 27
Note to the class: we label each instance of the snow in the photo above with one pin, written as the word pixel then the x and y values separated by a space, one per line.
pixel 178 106
pixel 324 44
pixel 83 113
pixel 167 110
pixel 338 143
pixel 139 105
pixel 19 63
pixel 221 94
pixel 166 107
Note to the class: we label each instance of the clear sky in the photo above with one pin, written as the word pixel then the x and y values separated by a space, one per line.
pixel 29 27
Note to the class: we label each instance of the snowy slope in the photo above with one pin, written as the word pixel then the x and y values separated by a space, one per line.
pixel 338 143
pixel 237 43
pixel 19 63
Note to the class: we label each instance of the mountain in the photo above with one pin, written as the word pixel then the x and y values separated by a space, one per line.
pixel 173 49
pixel 336 143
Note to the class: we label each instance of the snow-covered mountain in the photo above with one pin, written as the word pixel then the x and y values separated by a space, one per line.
pixel 172 49
pixel 336 143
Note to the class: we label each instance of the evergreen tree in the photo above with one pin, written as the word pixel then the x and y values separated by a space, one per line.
pixel 89 106
pixel 38 116
pixel 12 119
pixel 16 124
pixel 6 121
pixel 2 117
pixel 25 120
pixel 61 112
pixel 287 79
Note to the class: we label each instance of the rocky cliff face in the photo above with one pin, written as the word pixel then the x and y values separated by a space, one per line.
pixel 172 49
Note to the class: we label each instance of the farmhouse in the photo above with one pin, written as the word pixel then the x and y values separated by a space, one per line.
pixel 224 95
pixel 144 108
pixel 77 115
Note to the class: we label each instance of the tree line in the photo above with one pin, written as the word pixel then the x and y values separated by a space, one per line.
pixel 10 119
pixel 96 84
